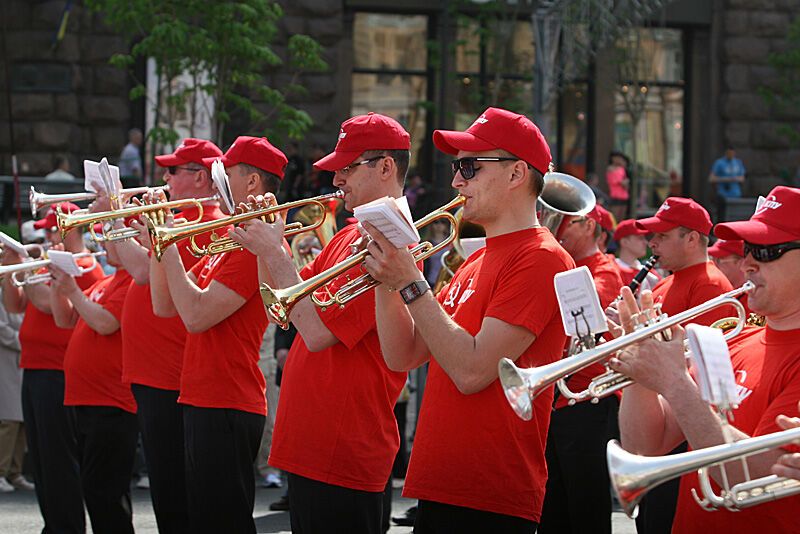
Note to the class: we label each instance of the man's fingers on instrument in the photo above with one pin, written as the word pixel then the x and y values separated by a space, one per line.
pixel 647 299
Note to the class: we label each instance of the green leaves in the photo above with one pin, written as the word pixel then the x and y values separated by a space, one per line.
pixel 783 92
pixel 221 50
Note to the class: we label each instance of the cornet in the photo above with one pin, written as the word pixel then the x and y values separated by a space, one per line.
pixel 19 269
pixel 75 219
pixel 162 236
pixel 632 475
pixel 39 200
pixel 522 386
pixel 279 302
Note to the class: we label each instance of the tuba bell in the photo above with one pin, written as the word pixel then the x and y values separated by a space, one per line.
pixel 563 196
pixel 301 252
pixel 453 258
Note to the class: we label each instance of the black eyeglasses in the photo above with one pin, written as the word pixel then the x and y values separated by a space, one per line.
pixel 174 169
pixel 467 165
pixel 768 253
pixel 349 168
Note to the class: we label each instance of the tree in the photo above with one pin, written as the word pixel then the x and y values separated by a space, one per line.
pixel 784 93
pixel 215 52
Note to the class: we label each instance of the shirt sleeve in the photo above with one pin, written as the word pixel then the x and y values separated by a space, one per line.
pixel 87 280
pixel 526 295
pixel 353 321
pixel 114 298
pixel 239 273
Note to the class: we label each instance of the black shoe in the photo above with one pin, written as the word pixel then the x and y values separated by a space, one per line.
pixel 281 505
pixel 406 520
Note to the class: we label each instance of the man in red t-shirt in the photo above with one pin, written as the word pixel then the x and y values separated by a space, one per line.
pixel 335 430
pixel 605 226
pixel 632 245
pixel 665 407
pixel 49 425
pixel 728 256
pixel 222 389
pixel 475 465
pixel 578 497
pixel 105 411
pixel 680 230
pixel 152 347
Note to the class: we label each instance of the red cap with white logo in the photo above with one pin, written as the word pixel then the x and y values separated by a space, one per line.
pixel 255 151
pixel 722 248
pixel 775 220
pixel 675 212
pixel 627 228
pixel 499 129
pixel 190 151
pixel 361 133
pixel 50 221
pixel 603 217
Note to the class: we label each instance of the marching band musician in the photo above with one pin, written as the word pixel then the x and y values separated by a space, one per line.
pixel 475 465
pixel 151 363
pixel 105 410
pixel 728 256
pixel 50 426
pixel 664 406
pixel 679 237
pixel 222 388
pixel 632 245
pixel 578 497
pixel 605 226
pixel 335 432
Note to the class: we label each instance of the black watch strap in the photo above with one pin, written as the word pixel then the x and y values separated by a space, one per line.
pixel 414 290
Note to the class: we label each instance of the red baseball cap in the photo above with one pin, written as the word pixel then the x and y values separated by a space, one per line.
pixel 191 150
pixel 603 217
pixel 723 248
pixel 499 129
pixel 774 221
pixel 358 134
pixel 627 228
pixel 255 151
pixel 678 211
pixel 49 221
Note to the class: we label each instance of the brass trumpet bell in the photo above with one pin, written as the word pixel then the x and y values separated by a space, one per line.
pixel 563 196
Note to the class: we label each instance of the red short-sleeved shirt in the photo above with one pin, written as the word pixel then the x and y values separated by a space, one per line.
pixel 43 343
pixel 220 365
pixel 473 450
pixel 608 282
pixel 766 364
pixel 152 347
pixel 335 420
pixel 691 286
pixel 93 362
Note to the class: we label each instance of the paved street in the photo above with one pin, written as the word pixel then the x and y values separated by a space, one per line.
pixel 20 515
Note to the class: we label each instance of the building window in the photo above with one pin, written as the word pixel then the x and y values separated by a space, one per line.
pixel 390 71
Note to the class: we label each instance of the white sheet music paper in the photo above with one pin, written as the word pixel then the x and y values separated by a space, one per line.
pixel 113 186
pixel 92 179
pixel 712 363
pixel 64 261
pixel 576 292
pixel 14 245
pixel 392 217
pixel 222 182
pixel 471 245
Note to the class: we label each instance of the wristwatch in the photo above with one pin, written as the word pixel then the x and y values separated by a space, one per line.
pixel 414 290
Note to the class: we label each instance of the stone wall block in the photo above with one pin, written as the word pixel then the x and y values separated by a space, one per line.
pixel 751 4
pixel 746 49
pixel 47 15
pixel 327 31
pixel 66 107
pixel 737 133
pixel 763 76
pixel 768 135
pixel 35 163
pixel 768 24
pixel 108 141
pixel 18 13
pixel 736 23
pixel 291 25
pixel 23 135
pixel 82 79
pixel 105 109
pixel 37 46
pixel 52 134
pixel 110 80
pixel 744 106
pixel 98 48
pixel 319 8
pixel 737 78
pixel 31 105
pixel 755 161
pixel 784 160
pixel 319 86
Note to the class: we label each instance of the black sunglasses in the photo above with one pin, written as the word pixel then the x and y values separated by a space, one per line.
pixel 467 165
pixel 768 253
pixel 174 169
pixel 346 170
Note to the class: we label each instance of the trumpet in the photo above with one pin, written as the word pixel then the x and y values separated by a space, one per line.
pixel 39 200
pixel 279 302
pixel 69 221
pixel 162 236
pixel 19 269
pixel 522 386
pixel 632 475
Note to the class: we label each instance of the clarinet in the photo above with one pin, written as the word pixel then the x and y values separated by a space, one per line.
pixel 642 274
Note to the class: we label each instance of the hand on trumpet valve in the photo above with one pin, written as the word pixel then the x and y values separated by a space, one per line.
pixel 101 203
pixel 260 237
pixel 788 465
pixel 142 237
pixel 394 267
pixel 10 257
pixel 658 364
pixel 62 283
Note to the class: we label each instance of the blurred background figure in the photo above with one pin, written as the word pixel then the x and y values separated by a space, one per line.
pixel 728 175
pixel 618 183
pixel 130 159
pixel 61 170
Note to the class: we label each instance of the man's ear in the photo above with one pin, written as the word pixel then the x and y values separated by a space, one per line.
pixel 519 172
pixel 388 168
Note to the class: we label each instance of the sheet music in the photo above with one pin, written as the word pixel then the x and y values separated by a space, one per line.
pixel 392 217
pixel 222 183
pixel 577 297
pixel 64 261
pixel 472 245
pixel 93 181
pixel 712 362
pixel 14 245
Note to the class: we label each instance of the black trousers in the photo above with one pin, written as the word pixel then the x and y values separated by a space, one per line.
pixel 438 518
pixel 106 446
pixel 657 508
pixel 221 446
pixel 161 426
pixel 317 507
pixel 578 497
pixel 53 451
